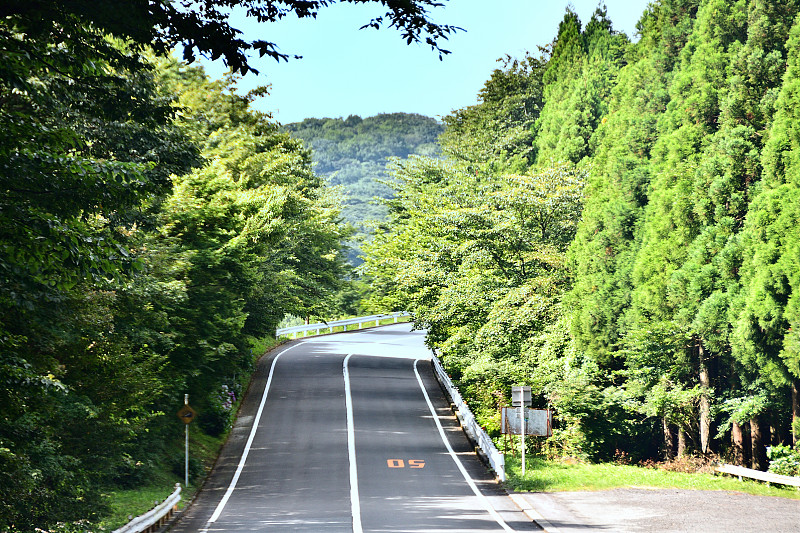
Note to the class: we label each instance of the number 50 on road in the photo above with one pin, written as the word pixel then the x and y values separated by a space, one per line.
pixel 400 463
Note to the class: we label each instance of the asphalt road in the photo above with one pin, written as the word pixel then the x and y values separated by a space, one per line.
pixel 350 433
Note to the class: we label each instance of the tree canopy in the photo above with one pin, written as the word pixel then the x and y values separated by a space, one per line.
pixel 353 153
pixel 203 26
pixel 665 319
pixel 154 229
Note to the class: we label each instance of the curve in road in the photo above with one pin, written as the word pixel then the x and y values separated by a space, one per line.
pixel 349 432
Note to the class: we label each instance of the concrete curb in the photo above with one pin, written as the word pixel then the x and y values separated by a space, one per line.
pixel 532 513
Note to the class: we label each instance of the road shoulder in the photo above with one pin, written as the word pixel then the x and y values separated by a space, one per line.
pixel 659 511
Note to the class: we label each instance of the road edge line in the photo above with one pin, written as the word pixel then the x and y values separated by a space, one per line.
pixel 487 504
pixel 221 505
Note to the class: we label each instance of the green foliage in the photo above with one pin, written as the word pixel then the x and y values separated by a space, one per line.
pixel 579 76
pixel 131 274
pixel 482 265
pixel 353 153
pixel 673 313
pixel 784 460
pixel 767 326
pixel 604 248
pixel 207 31
pixel 497 134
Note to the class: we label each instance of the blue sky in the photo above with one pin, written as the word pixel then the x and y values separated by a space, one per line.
pixel 347 71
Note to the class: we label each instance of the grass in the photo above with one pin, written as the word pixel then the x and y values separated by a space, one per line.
pixel 262 345
pixel 552 476
pixel 134 502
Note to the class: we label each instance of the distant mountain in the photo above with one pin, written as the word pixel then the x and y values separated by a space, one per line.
pixel 354 152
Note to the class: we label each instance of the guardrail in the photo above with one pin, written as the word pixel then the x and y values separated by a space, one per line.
pixel 470 425
pixel 155 517
pixel 322 326
pixel 769 477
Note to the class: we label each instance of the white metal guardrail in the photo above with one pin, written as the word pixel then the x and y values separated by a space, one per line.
pixel 322 326
pixel 470 425
pixel 155 517
pixel 769 477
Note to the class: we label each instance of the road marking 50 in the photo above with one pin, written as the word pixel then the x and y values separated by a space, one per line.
pixel 399 463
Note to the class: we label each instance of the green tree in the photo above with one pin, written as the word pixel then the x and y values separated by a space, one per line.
pixel 578 79
pixel 79 149
pixel 203 27
pixel 672 219
pixel 479 260
pixel 254 234
pixel 353 153
pixel 497 134
pixel 604 248
pixel 768 323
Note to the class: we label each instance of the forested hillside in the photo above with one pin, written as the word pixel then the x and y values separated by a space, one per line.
pixel 616 224
pixel 354 152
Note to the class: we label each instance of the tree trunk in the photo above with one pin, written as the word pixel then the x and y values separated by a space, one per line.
pixel 795 411
pixel 669 445
pixel 681 442
pixel 705 403
pixel 759 450
pixel 740 455
pixel 777 433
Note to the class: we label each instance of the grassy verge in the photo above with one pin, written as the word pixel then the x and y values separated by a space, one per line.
pixel 203 448
pixel 551 476
pixel 134 502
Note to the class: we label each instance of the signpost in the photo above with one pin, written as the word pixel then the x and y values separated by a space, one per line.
pixel 522 420
pixel 538 422
pixel 521 397
pixel 187 414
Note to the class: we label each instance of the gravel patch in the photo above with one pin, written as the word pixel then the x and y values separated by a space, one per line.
pixel 664 510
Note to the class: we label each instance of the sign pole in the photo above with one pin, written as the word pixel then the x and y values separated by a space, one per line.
pixel 521 398
pixel 522 436
pixel 186 414
pixel 186 477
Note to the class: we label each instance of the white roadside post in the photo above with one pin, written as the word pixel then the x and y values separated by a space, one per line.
pixel 521 397
pixel 186 414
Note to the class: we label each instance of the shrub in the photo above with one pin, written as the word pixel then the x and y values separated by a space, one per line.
pixel 784 460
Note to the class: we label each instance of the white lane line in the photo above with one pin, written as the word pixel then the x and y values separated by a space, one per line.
pixel 246 451
pixel 355 502
pixel 470 482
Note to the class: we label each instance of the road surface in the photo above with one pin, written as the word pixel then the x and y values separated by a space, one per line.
pixel 350 433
